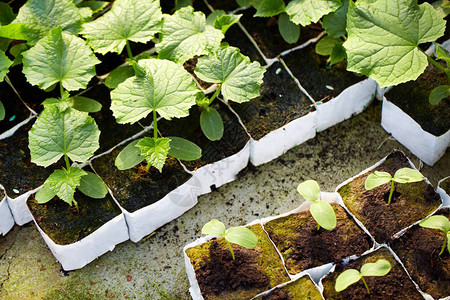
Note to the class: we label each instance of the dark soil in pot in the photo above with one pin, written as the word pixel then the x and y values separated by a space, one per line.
pixel 2 195
pixel 233 140
pixel 281 102
pixel 15 110
pixel 410 202
pixel 254 270
pixel 266 34
pixel 66 225
pixel 226 5
pixel 168 6
pixel 18 174
pixel 302 288
pixel 189 66
pixel 136 188
pixel 412 98
pixel 445 185
pixel 394 285
pixel 304 247
pixel 418 249
pixel 237 38
pixel 314 75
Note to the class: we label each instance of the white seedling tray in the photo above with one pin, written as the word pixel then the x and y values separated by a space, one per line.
pixel 6 218
pixel 444 196
pixel 353 100
pixel 19 208
pixel 429 148
pixel 11 131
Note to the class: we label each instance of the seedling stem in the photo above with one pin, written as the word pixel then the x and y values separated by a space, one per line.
pixel 130 54
pixel 391 192
pixel 231 250
pixel 364 281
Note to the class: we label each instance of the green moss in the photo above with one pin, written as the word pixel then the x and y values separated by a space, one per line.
pixel 302 288
pixel 445 185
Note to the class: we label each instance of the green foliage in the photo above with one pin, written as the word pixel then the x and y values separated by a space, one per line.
pixel 5 63
pixel 442 223
pixel 118 75
pixel 219 19
pixel 155 151
pixel 268 8
pixel 329 46
pixel 335 23
pixel 350 276
pixel 2 111
pixel 93 186
pixel 211 124
pixel 305 12
pixel 240 235
pixel 183 149
pixel 439 93
pixel 64 182
pixel 129 157
pixel 288 29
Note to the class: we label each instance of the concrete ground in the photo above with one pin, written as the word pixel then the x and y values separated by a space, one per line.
pixel 154 267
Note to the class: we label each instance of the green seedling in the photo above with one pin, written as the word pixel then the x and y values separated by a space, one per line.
pixel 441 223
pixel 239 235
pixel 321 211
pixel 379 268
pixel 404 175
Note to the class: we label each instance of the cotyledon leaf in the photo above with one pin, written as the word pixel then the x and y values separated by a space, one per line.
pixel 60 57
pixel 57 133
pixel 305 12
pixel 383 39
pixel 159 85
pixel 335 23
pixel 132 20
pixel 268 8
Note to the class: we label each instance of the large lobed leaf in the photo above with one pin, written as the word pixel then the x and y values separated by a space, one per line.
pixel 305 12
pixel 60 57
pixel 41 16
pixel 57 133
pixel 383 38
pixel 132 20
pixel 185 35
pixel 240 78
pixel 159 85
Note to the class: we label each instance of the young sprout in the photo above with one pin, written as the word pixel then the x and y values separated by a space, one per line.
pixel 442 223
pixel 379 268
pixel 321 211
pixel 404 175
pixel 238 235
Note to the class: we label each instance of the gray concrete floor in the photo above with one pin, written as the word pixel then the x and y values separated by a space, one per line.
pixel 154 267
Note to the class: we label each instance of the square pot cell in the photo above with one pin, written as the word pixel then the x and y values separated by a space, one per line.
pixel 418 250
pixel 78 236
pixel 410 202
pixel 394 285
pixel 407 112
pixel 214 274
pixel 303 288
pixel 281 118
pixel 221 160
pixel 266 34
pixel 444 191
pixel 303 246
pixel 149 199
pixel 6 218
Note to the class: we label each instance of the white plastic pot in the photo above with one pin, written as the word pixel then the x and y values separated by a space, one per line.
pixel 6 218
pixel 426 146
pixel 11 131
pixel 444 196
pixel 19 208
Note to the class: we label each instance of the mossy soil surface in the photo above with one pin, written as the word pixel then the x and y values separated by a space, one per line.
pixel 281 102
pixel 445 185
pixel 302 288
pixel 314 75
pixel 410 202
pixel 234 136
pixel 418 249
pixel 394 285
pixel 65 224
pixel 254 270
pixel 136 188
pixel 304 247
pixel 412 98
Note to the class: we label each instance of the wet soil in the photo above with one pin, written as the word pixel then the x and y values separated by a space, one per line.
pixel 234 137
pixel 237 38
pixel 445 185
pixel 226 5
pixel 135 188
pixel 189 66
pixel 394 285
pixel 281 102
pixel 254 270
pixel 302 288
pixel 65 224
pixel 15 110
pixel 314 75
pixel 410 202
pixel 418 249
pixel 266 34
pixel 412 98
pixel 304 247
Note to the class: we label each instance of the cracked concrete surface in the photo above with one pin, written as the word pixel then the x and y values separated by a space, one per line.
pixel 154 267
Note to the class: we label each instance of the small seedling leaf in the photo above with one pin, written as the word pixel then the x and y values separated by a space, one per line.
pixel 439 93
pixel 436 222
pixel 309 190
pixel 335 22
pixel 214 227
pixel 93 186
pixel 324 214
pixel 211 124
pixel 219 19
pixel 240 78
pixel 346 278
pixel 326 44
pixel 288 29
pixel 185 35
pixel 305 12
pixel 379 268
pixel 442 53
pixel 377 178
pixel 6 14
pixel 5 63
pixel 155 151
pixel 183 149
pixel 337 54
pixel 85 104
pixel 44 195
pixel 129 157
pixel 95 6
pixel 2 111
pixel 118 75
pixel 407 175
pixel 241 236
pixel 244 3
pixel 15 31
pixel 128 20
pixel 64 182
